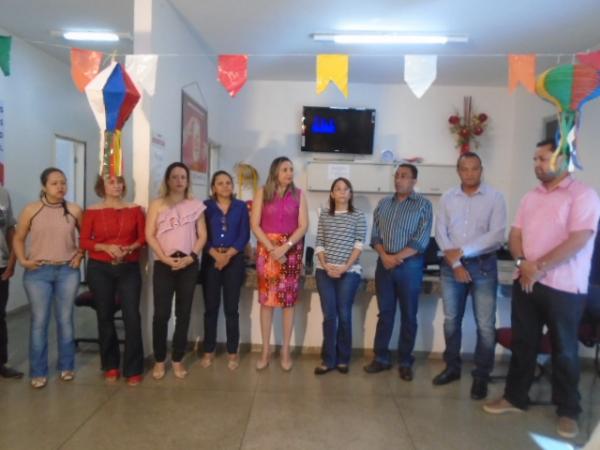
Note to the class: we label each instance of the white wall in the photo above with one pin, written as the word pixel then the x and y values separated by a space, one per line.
pixel 40 102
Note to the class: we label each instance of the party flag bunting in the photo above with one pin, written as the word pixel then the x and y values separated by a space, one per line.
pixel 420 71
pixel 5 42
pixel 112 96
pixel 590 59
pixel 233 72
pixel 332 68
pixel 142 68
pixel 85 65
pixel 521 69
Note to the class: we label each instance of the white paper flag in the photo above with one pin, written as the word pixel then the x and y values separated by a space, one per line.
pixel 420 72
pixel 142 70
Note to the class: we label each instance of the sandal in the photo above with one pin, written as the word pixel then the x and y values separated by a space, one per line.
pixel 158 371
pixel 233 361
pixel 67 375
pixel 39 382
pixel 207 360
pixel 179 370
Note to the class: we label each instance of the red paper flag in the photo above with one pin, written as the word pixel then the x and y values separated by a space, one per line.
pixel 85 65
pixel 590 59
pixel 233 72
pixel 521 69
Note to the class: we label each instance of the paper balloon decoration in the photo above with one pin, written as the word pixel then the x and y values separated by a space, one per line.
pixel 112 96
pixel 568 87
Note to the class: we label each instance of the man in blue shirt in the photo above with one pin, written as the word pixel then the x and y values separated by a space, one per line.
pixel 470 227
pixel 400 235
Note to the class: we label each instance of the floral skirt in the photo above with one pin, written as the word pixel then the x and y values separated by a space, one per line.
pixel 279 283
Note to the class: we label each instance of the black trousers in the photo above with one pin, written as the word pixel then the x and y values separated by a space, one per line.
pixel 167 282
pixel 561 312
pixel 3 330
pixel 107 282
pixel 227 281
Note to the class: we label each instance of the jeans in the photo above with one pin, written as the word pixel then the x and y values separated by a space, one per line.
pixel 561 312
pixel 122 281
pixel 228 280
pixel 337 297
pixel 46 288
pixel 167 282
pixel 401 284
pixel 483 285
pixel 3 330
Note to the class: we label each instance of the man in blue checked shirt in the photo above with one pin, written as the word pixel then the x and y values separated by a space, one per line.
pixel 470 227
pixel 401 231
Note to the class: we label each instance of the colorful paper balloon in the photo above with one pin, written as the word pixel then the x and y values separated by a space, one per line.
pixel 568 87
pixel 112 95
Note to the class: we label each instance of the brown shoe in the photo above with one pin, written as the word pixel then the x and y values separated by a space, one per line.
pixel 567 427
pixel 500 406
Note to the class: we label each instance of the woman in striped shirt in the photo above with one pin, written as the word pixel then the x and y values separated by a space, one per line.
pixel 340 236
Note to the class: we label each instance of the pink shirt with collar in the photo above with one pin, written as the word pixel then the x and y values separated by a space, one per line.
pixel 547 217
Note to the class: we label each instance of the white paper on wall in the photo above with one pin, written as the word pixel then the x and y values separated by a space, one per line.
pixel 338 170
pixel 420 71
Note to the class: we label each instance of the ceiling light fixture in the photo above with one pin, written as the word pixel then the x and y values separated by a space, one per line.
pixel 97 36
pixel 387 38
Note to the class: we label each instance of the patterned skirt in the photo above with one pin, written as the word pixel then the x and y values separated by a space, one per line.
pixel 279 284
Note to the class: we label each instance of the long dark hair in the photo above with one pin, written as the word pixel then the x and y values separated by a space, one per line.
pixel 214 178
pixel 164 188
pixel 346 181
pixel 44 179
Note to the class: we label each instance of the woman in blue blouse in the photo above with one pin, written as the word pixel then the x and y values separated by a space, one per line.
pixel 228 228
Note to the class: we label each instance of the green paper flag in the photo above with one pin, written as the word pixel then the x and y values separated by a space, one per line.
pixel 5 42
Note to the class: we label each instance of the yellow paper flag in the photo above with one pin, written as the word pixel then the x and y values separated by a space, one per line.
pixel 332 68
pixel 521 69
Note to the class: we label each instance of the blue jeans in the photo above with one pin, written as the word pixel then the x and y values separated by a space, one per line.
pixel 337 296
pixel 483 285
pixel 401 284
pixel 51 287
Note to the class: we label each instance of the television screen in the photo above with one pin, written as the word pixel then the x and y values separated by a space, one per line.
pixel 338 130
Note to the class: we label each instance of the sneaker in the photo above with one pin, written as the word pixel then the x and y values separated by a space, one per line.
pixel 112 375
pixel 567 427
pixel 501 406
pixel 134 380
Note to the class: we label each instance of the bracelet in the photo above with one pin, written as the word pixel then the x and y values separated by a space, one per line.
pixel 194 256
pixel 290 243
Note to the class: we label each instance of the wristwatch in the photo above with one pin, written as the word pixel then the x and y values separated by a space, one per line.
pixel 519 261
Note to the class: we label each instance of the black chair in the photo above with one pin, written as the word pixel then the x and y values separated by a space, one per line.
pixel 432 258
pixel 86 299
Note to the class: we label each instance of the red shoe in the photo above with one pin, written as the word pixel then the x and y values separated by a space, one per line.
pixel 134 380
pixel 112 375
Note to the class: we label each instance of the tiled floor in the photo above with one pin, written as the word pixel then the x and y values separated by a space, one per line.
pixel 215 408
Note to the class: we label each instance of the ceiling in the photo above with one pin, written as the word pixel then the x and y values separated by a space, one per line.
pixel 276 33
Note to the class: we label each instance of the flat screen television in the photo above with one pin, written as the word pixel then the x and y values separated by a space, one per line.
pixel 337 130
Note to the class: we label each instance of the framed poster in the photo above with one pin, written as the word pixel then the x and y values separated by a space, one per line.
pixel 194 140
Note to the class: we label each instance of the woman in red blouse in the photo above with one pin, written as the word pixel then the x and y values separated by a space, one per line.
pixel 113 232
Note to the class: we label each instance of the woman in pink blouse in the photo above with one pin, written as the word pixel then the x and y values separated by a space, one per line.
pixel 279 221
pixel 176 232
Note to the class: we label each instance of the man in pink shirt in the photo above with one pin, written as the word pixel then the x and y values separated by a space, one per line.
pixel 552 241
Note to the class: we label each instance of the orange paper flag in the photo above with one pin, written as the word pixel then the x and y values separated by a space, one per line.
pixel 85 65
pixel 521 69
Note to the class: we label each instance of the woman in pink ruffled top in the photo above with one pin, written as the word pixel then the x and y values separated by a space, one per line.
pixel 279 221
pixel 176 232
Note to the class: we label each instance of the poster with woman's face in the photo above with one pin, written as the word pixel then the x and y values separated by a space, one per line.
pixel 194 139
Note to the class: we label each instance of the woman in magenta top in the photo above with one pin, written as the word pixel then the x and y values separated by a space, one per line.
pixel 176 232
pixel 279 221
pixel 113 233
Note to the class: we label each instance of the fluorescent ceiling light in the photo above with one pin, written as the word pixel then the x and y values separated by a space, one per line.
pixel 90 36
pixel 386 38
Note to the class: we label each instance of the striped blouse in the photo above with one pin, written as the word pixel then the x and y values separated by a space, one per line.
pixel 407 223
pixel 339 235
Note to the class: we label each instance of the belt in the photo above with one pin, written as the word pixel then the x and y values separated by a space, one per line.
pixel 482 257
pixel 47 262
pixel 178 254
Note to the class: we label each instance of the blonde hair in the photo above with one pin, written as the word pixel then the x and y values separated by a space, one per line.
pixel 270 188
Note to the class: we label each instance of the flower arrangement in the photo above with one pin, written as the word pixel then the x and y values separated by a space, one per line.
pixel 468 128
